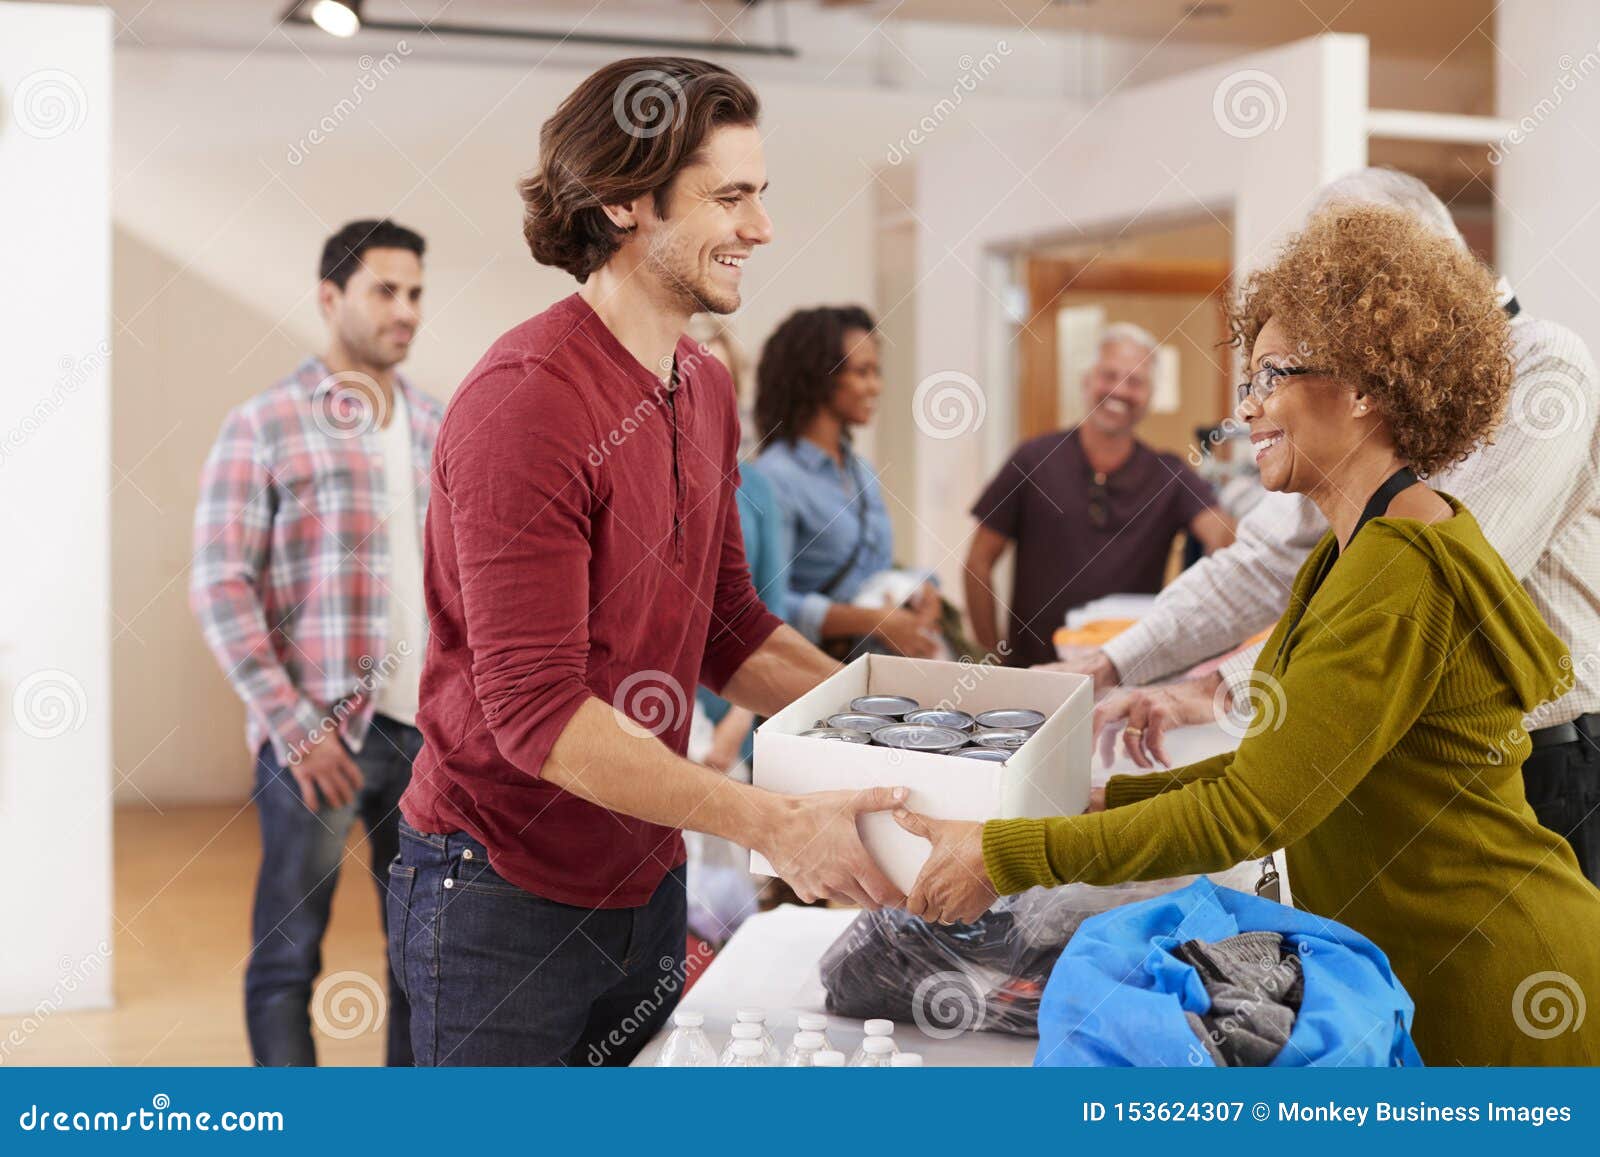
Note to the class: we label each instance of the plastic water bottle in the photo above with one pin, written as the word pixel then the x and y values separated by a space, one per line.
pixel 745 1054
pixel 880 1029
pixel 876 1053
pixel 814 1022
pixel 746 1032
pixel 688 1047
pixel 828 1059
pixel 802 1053
pixel 905 1061
pixel 757 1016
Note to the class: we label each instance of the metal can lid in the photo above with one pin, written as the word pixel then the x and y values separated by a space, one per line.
pixel 918 737
pixel 941 717
pixel 1009 738
pixel 837 734
pixel 857 721
pixel 986 754
pixel 894 706
pixel 1018 717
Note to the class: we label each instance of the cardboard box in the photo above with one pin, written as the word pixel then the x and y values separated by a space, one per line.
pixel 1047 776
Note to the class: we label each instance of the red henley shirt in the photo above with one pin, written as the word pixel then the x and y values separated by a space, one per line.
pixel 582 540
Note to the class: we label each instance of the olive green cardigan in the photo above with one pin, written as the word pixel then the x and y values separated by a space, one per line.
pixel 1385 757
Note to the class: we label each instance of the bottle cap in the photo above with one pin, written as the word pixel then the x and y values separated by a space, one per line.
pixel 812 1022
pixel 751 1016
pixel 878 1044
pixel 878 1027
pixel 828 1059
pixel 906 1061
pixel 688 1019
pixel 808 1040
pixel 747 1032
pixel 747 1048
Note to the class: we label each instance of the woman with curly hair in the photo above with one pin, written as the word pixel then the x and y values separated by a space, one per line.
pixel 1385 749
pixel 819 379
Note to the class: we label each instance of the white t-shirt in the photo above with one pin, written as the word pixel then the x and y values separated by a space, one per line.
pixel 397 694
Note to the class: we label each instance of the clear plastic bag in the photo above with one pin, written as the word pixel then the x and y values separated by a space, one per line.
pixel 990 974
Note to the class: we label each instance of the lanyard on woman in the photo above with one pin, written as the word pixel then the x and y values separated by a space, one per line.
pixel 1401 479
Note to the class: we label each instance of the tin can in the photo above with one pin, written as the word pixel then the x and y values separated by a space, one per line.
pixel 1004 738
pixel 941 717
pixel 919 737
pixel 1018 717
pixel 857 721
pixel 894 706
pixel 837 734
pixel 986 754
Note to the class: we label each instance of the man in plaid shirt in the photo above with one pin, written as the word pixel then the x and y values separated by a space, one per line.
pixel 307 582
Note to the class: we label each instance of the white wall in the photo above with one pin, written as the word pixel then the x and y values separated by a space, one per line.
pixel 1141 156
pixel 1548 172
pixel 55 719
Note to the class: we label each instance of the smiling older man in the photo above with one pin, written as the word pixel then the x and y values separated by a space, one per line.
pixel 1092 510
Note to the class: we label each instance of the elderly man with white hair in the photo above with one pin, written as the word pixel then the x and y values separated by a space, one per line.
pixel 1535 490
pixel 1092 510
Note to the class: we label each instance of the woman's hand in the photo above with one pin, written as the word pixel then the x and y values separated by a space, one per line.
pixel 906 633
pixel 953 886
pixel 1143 716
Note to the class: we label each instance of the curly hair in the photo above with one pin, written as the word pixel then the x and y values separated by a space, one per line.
pixel 799 363
pixel 1373 297
pixel 623 133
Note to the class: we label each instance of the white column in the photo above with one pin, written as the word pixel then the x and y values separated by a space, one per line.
pixel 1547 180
pixel 55 401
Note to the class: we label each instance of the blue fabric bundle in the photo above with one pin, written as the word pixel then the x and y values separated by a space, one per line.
pixel 1118 994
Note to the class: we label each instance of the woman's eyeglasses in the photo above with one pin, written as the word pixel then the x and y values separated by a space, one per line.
pixel 1264 381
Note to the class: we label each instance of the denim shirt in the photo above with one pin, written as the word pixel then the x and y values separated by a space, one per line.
pixel 821 523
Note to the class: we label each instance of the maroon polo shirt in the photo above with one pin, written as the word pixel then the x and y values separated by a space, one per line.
pixel 1040 500
pixel 583 540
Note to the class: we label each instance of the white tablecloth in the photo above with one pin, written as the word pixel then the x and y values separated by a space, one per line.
pixel 771 963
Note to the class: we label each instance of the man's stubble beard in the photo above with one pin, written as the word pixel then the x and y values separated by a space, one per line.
pixel 679 276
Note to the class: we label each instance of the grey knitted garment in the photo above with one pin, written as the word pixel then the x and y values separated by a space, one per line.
pixel 1255 983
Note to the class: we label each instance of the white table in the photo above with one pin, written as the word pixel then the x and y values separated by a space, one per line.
pixel 771 963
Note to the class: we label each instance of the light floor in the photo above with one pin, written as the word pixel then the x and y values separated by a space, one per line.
pixel 182 937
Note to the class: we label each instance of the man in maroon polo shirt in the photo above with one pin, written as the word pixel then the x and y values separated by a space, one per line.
pixel 584 570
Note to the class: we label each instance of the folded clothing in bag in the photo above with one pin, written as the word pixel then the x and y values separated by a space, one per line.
pixel 989 974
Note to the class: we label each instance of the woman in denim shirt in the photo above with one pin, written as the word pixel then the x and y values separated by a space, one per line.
pixel 818 379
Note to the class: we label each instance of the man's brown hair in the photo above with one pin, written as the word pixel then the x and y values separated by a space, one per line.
pixel 625 131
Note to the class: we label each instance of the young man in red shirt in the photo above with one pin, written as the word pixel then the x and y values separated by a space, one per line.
pixel 584 570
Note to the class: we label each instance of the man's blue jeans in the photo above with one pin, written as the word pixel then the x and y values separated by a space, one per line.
pixel 301 852
pixel 498 976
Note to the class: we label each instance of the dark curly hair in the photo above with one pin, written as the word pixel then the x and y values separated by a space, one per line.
pixel 799 364
pixel 1374 297
pixel 624 132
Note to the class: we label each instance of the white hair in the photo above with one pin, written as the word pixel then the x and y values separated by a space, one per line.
pixel 1130 333
pixel 1379 186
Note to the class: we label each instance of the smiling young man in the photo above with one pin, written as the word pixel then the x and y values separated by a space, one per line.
pixel 585 569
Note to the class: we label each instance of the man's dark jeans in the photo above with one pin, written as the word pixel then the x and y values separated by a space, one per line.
pixel 301 851
pixel 499 976
pixel 1563 785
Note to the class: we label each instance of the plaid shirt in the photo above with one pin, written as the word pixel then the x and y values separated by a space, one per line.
pixel 291 556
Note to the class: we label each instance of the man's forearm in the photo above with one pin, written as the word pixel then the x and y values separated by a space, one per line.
pixel 605 758
pixel 981 611
pixel 781 670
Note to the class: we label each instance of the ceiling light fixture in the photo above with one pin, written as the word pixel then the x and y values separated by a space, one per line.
pixel 341 18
